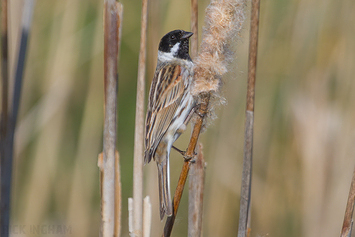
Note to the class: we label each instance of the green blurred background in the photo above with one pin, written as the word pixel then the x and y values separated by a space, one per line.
pixel 304 143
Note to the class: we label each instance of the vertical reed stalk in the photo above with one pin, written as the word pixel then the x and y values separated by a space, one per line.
pixel 196 189
pixel 196 178
pixel 107 162
pixel 118 196
pixel 139 128
pixel 147 217
pixel 348 217
pixel 118 186
pixel 7 141
pixel 4 201
pixel 245 196
pixel 194 28
pixel 4 71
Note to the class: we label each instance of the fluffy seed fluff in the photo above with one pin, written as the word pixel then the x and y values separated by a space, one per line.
pixel 223 23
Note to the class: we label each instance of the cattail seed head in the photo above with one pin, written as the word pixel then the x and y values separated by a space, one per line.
pixel 223 22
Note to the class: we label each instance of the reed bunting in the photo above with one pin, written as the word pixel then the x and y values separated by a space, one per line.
pixel 170 107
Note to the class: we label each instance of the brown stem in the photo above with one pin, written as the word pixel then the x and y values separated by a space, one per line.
pixel 186 167
pixel 111 44
pixel 196 180
pixel 4 166
pixel 194 28
pixel 348 221
pixel 196 188
pixel 139 128
pixel 253 50
pixel 118 196
pixel 4 69
pixel 118 186
pixel 245 195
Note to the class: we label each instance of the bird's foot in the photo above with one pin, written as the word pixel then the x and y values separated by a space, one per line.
pixel 190 159
pixel 186 157
pixel 198 112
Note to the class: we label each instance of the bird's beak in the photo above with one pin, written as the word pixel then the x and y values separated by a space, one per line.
pixel 187 35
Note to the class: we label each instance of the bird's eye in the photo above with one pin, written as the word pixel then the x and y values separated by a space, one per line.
pixel 172 37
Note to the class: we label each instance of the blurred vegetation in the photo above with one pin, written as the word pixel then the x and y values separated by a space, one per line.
pixel 304 118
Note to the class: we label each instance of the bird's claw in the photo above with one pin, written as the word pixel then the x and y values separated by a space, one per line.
pixel 202 115
pixel 186 158
pixel 198 112
pixel 189 159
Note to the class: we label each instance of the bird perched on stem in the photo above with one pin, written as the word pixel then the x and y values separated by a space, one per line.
pixel 170 107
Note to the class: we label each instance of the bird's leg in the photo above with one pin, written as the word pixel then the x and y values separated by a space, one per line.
pixel 183 153
pixel 180 151
pixel 183 127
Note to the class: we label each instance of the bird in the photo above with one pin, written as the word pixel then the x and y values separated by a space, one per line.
pixel 170 107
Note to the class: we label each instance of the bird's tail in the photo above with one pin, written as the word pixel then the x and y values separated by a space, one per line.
pixel 166 206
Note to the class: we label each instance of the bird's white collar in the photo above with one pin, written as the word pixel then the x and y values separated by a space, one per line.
pixel 163 56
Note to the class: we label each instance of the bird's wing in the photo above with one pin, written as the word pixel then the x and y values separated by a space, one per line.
pixel 164 98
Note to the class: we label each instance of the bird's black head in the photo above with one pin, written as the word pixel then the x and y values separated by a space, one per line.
pixel 177 43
